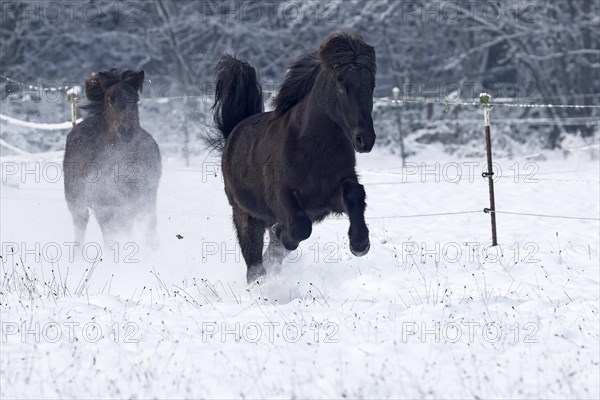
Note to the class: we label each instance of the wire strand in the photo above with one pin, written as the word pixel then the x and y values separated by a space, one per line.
pixel 452 102
pixel 541 215
pixel 425 215
pixel 445 102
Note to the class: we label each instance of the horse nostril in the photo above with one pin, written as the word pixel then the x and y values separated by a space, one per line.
pixel 359 140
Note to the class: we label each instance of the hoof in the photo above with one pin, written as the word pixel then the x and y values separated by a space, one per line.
pixel 255 273
pixel 360 251
pixel 290 245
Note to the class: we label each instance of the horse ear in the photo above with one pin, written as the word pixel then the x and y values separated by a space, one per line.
pixel 105 78
pixel 93 88
pixel 137 79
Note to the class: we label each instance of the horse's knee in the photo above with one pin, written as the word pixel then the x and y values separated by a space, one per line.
pixel 285 237
pixel 301 228
pixel 80 216
pixel 354 195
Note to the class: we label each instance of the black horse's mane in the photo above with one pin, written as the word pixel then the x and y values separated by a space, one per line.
pixel 339 50
pixel 95 87
pixel 299 80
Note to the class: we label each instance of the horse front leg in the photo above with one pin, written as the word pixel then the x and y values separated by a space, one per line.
pixel 353 198
pixel 77 204
pixel 109 224
pixel 275 253
pixel 293 224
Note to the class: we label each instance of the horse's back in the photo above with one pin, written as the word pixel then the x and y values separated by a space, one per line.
pixel 243 149
pixel 246 132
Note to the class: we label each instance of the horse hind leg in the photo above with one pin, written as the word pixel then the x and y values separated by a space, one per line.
pixel 250 233
pixel 81 217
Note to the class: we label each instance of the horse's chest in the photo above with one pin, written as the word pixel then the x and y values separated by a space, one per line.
pixel 114 175
pixel 322 169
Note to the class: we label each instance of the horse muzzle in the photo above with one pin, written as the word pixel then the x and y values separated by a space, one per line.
pixel 126 133
pixel 363 141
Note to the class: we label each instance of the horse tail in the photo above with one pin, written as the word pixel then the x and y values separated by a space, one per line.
pixel 238 94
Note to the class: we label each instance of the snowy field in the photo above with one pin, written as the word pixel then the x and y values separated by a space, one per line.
pixel 431 311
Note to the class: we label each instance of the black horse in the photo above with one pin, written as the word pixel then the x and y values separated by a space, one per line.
pixel 112 166
pixel 294 166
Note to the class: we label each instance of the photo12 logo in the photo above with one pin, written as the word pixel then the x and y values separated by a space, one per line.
pixel 327 252
pixel 457 92
pixel 455 172
pixel 14 173
pixel 53 252
pixel 469 332
pixel 453 252
pixel 70 331
pixel 54 12
pixel 270 332
pixel 254 12
pixel 456 12
pixel 39 92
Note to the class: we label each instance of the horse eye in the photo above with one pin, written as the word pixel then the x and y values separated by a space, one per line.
pixel 342 90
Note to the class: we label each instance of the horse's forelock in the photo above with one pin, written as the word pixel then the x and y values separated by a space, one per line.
pixel 93 88
pixel 347 48
pixel 98 83
pixel 339 50
pixel 109 78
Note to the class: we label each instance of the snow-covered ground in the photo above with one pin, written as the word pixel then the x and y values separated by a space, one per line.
pixel 431 311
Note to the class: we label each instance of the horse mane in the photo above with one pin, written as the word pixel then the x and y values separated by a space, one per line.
pixel 340 50
pixel 97 84
pixel 299 80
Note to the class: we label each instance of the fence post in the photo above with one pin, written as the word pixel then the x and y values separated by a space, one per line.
pixel 396 94
pixel 484 98
pixel 72 94
pixel 186 133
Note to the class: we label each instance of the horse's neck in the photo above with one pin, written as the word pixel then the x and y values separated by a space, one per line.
pixel 312 118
